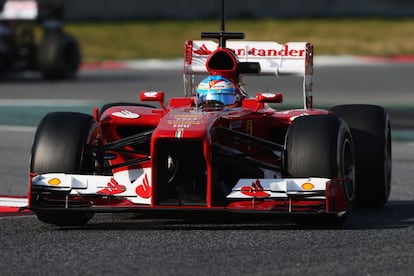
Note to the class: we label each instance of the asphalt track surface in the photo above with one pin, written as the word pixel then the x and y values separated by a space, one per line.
pixel 373 242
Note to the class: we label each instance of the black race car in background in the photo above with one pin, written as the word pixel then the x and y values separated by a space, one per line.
pixel 56 54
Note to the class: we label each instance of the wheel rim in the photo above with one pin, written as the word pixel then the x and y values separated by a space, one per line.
pixel 348 170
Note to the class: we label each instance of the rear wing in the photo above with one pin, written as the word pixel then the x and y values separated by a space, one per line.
pixel 289 59
pixel 18 10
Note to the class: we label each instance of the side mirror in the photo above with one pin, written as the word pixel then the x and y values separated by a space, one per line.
pixel 153 96
pixel 269 97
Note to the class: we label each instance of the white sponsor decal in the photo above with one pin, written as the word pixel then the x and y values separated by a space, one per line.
pixel 151 94
pixel 126 114
pixel 268 95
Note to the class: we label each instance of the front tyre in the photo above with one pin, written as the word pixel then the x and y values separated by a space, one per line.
pixel 62 144
pixel 371 133
pixel 321 146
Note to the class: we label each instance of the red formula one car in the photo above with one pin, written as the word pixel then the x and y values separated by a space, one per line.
pixel 215 149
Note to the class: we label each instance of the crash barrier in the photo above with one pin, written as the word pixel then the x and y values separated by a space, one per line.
pixel 189 9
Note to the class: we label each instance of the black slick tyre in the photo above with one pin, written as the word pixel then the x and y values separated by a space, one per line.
pixel 321 146
pixel 62 144
pixel 58 56
pixel 371 133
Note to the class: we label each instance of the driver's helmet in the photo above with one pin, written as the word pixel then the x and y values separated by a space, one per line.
pixel 216 91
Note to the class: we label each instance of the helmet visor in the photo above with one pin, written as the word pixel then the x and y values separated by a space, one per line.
pixel 219 98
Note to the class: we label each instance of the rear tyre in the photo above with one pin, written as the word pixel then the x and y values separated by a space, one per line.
pixel 62 144
pixel 371 133
pixel 59 56
pixel 321 146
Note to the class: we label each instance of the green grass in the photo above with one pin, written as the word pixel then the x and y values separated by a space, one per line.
pixel 165 39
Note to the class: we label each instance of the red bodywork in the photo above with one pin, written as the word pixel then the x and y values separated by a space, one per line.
pixel 190 158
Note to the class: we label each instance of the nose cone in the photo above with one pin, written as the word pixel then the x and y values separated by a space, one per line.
pixel 185 122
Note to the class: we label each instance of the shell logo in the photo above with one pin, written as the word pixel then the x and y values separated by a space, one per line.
pixel 308 186
pixel 54 182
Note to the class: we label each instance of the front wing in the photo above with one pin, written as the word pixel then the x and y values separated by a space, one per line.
pixel 94 193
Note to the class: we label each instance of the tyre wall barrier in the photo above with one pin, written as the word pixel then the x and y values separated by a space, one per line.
pixel 76 10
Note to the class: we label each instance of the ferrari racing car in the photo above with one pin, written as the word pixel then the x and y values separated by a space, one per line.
pixel 57 55
pixel 215 149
